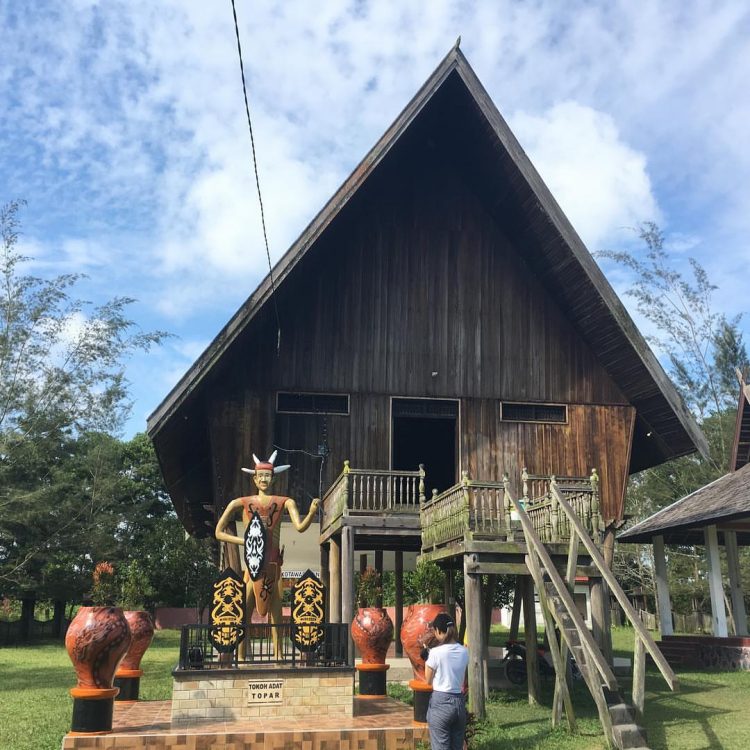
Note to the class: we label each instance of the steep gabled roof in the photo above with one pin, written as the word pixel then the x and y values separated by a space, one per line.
pixel 741 448
pixel 461 111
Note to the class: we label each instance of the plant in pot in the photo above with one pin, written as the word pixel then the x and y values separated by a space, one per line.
pixel 134 590
pixel 416 634
pixel 97 640
pixel 372 628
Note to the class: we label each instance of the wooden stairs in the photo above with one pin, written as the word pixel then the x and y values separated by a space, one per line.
pixel 618 716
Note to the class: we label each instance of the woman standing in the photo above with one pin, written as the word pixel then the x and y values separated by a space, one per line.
pixel 445 670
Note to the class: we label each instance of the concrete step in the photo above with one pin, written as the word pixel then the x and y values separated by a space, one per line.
pixel 628 736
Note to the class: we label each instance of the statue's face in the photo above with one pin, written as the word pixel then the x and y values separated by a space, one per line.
pixel 263 479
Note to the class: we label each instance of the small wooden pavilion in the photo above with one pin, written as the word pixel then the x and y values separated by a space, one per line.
pixel 440 326
pixel 713 516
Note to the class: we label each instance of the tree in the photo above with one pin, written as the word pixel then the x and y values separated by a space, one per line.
pixel 703 349
pixel 62 396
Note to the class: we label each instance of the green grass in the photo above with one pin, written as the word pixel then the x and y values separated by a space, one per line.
pixel 35 705
pixel 712 709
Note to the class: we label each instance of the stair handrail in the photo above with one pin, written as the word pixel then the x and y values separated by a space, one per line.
pixel 640 629
pixel 587 640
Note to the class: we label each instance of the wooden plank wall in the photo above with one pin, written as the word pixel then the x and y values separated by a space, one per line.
pixel 416 277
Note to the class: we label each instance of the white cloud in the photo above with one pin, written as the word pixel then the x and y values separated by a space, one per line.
pixel 600 182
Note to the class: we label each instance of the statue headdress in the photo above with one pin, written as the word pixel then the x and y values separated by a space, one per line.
pixel 266 465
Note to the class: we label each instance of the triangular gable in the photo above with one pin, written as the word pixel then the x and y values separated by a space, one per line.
pixel 665 428
pixel 741 447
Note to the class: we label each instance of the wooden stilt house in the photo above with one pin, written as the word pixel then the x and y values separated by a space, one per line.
pixel 441 326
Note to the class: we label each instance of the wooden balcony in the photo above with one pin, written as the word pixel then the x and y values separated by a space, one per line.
pixel 376 501
pixel 476 515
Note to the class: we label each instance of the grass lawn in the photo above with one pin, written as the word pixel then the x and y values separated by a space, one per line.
pixel 712 710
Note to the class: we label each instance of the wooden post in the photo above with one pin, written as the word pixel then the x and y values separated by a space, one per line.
pixel 379 569
pixel 639 675
pixel 662 587
pixel 362 563
pixel 599 620
pixel 529 629
pixel 515 616
pixel 347 582
pixel 714 582
pixel 473 603
pixel 735 583
pixel 325 577
pixel 487 597
pixel 334 594
pixel 399 576
pixel 448 595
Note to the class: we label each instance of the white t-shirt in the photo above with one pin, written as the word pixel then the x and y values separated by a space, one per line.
pixel 449 662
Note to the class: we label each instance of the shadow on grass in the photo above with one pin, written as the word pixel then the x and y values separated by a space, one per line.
pixel 36 677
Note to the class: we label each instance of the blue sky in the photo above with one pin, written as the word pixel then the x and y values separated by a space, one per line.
pixel 122 124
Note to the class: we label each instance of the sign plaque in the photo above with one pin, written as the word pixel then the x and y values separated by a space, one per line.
pixel 265 692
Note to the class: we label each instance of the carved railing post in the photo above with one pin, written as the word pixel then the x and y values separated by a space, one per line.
pixel 345 490
pixel 596 513
pixel 422 497
pixel 467 500
pixel 508 506
pixel 554 511
pixel 525 484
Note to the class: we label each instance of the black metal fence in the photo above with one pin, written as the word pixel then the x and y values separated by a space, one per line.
pixel 257 647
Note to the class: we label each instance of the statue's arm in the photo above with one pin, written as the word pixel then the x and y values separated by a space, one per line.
pixel 304 524
pixel 226 517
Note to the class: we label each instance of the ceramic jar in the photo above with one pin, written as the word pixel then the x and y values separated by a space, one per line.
pixel 372 631
pixel 97 640
pixel 141 626
pixel 416 633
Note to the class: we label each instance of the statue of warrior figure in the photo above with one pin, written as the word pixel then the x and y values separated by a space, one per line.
pixel 262 513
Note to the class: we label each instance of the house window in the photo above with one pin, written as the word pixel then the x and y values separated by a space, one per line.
pixel 520 412
pixel 312 403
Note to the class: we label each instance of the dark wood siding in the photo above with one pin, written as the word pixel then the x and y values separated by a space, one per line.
pixel 416 277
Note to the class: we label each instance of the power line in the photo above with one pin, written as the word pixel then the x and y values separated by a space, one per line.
pixel 257 179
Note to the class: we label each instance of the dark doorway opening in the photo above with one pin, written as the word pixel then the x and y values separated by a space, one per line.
pixel 424 432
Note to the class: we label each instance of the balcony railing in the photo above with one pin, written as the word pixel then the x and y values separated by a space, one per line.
pixel 373 491
pixel 483 508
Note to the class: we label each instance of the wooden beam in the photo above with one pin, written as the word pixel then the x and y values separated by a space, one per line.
pixel 515 616
pixel 473 602
pixel 715 585
pixel 529 629
pixel 735 583
pixel 334 593
pixel 599 603
pixel 399 576
pixel 661 578
pixel 347 582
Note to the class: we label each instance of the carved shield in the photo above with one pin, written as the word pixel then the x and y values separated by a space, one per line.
pixel 227 611
pixel 308 612
pixel 255 546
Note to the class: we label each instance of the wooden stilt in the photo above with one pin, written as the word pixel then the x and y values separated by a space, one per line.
pixel 347 581
pixel 529 628
pixel 325 577
pixel 379 569
pixel 334 594
pixel 599 604
pixel 515 616
pixel 473 601
pixel 399 576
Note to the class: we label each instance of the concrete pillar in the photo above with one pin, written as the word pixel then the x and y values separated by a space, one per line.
pixel 715 585
pixel 663 600
pixel 735 582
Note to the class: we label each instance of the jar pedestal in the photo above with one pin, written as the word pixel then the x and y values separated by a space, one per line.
pixel 422 692
pixel 372 680
pixel 129 682
pixel 92 710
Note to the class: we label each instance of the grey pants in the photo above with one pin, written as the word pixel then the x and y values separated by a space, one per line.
pixel 446 720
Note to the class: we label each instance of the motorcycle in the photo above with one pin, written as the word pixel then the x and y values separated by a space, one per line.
pixel 514 663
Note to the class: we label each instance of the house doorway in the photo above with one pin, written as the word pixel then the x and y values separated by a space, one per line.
pixel 424 431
